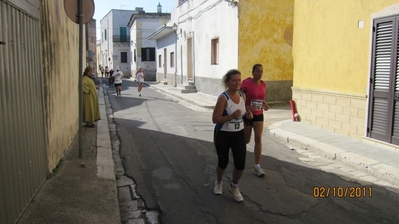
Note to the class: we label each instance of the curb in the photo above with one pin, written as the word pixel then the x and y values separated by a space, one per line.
pixel 104 160
pixel 105 163
pixel 373 167
pixel 131 206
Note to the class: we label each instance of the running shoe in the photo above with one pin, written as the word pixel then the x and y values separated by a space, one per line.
pixel 218 190
pixel 236 192
pixel 259 172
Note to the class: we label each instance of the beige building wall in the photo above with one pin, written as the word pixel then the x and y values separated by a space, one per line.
pixel 265 36
pixel 60 70
pixel 332 54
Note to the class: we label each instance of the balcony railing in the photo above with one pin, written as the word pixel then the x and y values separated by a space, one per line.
pixel 117 38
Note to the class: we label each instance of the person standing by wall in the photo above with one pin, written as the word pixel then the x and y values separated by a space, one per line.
pixel 111 78
pixel 254 89
pixel 91 108
pixel 140 76
pixel 118 76
pixel 107 73
pixel 229 132
pixel 102 71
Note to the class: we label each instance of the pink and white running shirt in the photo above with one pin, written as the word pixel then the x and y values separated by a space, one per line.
pixel 255 94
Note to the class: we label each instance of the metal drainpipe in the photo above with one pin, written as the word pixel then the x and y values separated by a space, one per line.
pixel 80 85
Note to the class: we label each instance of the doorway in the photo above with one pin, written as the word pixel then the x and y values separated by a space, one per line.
pixel 165 70
pixel 190 59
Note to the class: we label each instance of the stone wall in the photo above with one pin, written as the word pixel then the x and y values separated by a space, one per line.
pixel 339 112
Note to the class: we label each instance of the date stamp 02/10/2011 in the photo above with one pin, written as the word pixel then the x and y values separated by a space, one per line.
pixel 343 192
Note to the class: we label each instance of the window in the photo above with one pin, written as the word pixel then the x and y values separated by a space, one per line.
pixel 123 57
pixel 172 59
pixel 159 61
pixel 105 34
pixel 123 34
pixel 148 54
pixel 215 51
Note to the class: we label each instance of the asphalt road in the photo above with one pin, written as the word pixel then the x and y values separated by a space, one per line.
pixel 167 148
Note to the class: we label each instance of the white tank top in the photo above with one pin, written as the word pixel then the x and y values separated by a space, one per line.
pixel 140 76
pixel 234 124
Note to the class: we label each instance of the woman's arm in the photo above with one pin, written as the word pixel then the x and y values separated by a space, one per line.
pixel 265 106
pixel 248 113
pixel 217 116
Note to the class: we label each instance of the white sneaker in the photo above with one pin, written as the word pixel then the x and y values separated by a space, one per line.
pixel 218 190
pixel 236 192
pixel 259 172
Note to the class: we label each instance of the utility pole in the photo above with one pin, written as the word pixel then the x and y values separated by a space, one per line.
pixel 74 10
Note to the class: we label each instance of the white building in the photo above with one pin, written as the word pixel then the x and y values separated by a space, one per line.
pixel 115 40
pixel 202 38
pixel 143 51
pixel 166 66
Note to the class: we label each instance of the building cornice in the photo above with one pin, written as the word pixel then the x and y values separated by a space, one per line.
pixel 161 32
pixel 146 15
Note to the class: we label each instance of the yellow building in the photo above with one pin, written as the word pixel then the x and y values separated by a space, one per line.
pixel 346 72
pixel 265 37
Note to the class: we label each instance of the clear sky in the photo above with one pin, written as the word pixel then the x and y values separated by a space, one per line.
pixel 102 7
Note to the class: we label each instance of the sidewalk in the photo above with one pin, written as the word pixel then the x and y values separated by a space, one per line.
pixel 199 99
pixel 80 190
pixel 379 161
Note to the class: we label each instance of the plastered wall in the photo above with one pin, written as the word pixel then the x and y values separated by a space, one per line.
pixel 60 71
pixel 265 37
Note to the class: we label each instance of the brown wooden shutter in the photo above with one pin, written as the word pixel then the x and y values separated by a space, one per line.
pixel 395 92
pixel 383 68
pixel 383 121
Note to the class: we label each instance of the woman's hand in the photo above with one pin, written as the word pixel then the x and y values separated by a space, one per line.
pixel 249 115
pixel 265 106
pixel 236 114
pixel 250 108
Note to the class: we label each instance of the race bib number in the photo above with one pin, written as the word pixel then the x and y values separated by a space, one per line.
pixel 235 125
pixel 257 104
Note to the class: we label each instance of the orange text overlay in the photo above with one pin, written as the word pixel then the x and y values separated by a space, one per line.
pixel 342 192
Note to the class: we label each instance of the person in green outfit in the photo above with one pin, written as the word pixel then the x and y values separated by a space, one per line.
pixel 91 108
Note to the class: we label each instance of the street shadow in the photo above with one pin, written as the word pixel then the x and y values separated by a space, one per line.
pixel 178 172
